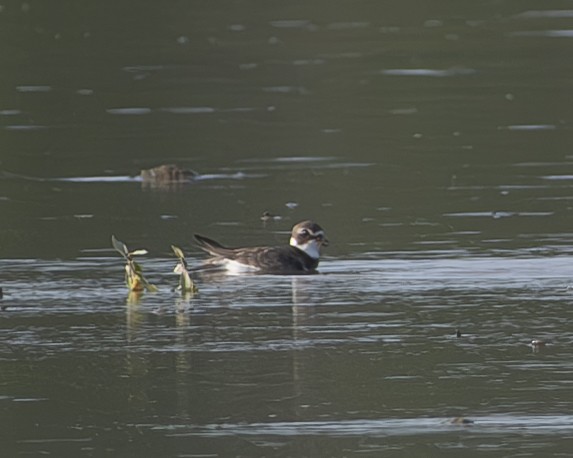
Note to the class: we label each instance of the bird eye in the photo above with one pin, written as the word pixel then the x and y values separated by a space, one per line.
pixel 304 232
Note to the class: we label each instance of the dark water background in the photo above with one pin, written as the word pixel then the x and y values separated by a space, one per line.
pixel 431 139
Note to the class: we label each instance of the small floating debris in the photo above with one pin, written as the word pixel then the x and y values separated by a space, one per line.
pixel 461 421
pixel 458 333
pixel 537 345
pixel 502 214
pixel 268 216
pixel 134 278
pixel 186 284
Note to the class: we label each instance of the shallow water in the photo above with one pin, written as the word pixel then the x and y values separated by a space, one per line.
pixel 431 140
pixel 358 359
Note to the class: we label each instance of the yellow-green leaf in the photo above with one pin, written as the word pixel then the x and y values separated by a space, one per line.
pixel 186 282
pixel 179 268
pixel 178 252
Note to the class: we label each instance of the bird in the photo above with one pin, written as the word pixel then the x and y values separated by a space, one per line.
pixel 301 256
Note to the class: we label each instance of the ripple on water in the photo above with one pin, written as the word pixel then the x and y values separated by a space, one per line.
pixel 31 88
pixel 543 14
pixel 530 127
pixel 544 33
pixel 552 424
pixel 349 25
pixel 382 329
pixel 292 24
pixel 427 72
pixel 25 127
pixel 129 111
pixel 10 112
pixel 188 110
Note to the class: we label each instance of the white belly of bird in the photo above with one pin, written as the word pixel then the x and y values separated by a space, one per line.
pixel 237 268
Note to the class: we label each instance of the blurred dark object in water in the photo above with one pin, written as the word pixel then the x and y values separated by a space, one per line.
pixel 458 333
pixel 3 307
pixel 537 345
pixel 167 177
pixel 268 216
pixel 461 421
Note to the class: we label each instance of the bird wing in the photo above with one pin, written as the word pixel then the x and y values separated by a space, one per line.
pixel 287 259
pixel 276 259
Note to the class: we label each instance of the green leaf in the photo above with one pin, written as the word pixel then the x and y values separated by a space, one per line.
pixel 134 278
pixel 135 267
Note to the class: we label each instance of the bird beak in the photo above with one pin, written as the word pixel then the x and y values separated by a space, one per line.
pixel 323 241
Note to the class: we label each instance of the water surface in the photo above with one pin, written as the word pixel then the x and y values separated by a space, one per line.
pixel 430 139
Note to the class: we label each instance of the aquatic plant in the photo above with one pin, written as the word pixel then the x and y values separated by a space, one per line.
pixel 134 278
pixel 186 284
